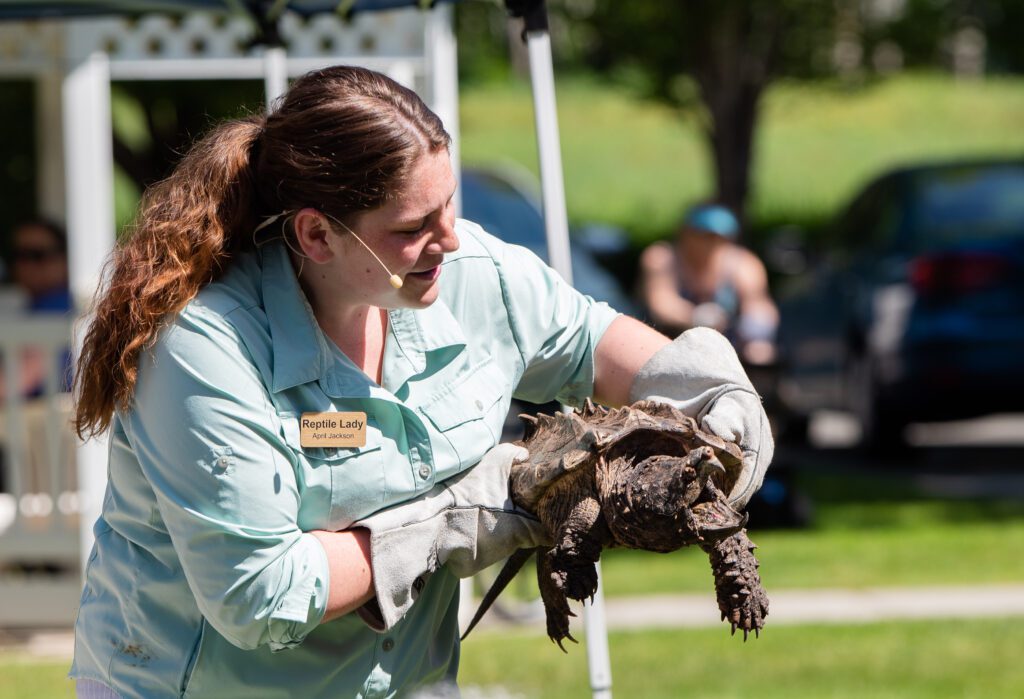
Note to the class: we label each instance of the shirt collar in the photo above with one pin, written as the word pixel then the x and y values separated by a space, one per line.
pixel 300 349
pixel 301 352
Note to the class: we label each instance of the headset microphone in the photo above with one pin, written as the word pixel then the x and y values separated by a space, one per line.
pixel 394 279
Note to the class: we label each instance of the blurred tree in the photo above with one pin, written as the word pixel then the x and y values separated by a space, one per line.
pixel 721 54
pixel 729 49
pixel 155 122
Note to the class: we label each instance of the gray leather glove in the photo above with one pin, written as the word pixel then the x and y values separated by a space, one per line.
pixel 700 374
pixel 467 523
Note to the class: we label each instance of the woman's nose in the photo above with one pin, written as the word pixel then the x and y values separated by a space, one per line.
pixel 445 239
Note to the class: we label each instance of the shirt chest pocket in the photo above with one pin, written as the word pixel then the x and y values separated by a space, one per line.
pixel 339 484
pixel 469 415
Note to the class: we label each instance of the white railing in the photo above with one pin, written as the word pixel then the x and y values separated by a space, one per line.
pixel 40 573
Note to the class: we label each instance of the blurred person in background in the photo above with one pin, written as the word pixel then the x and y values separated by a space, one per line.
pixel 705 279
pixel 39 268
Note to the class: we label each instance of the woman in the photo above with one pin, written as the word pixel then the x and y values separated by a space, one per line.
pixel 301 278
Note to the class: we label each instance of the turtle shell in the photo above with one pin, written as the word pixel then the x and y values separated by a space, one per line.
pixel 580 444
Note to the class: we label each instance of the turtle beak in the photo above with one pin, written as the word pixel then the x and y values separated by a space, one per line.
pixel 711 468
pixel 706 464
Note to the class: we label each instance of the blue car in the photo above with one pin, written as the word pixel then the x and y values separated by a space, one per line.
pixel 917 314
pixel 503 202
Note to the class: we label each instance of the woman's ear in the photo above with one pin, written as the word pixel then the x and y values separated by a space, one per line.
pixel 311 235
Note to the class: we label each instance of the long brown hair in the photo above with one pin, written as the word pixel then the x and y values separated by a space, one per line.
pixel 341 141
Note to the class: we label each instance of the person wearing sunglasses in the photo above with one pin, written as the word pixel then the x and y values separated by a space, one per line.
pixel 39 268
pixel 39 265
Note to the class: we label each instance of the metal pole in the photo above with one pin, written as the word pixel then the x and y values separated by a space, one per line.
pixel 545 111
pixel 598 658
pixel 556 221
pixel 275 74
pixel 443 81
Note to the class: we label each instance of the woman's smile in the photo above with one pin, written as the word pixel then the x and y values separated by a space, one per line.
pixel 427 275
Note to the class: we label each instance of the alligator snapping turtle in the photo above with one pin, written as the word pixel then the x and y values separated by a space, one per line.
pixel 643 477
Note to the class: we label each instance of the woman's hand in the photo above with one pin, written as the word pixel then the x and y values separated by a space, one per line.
pixel 467 523
pixel 700 374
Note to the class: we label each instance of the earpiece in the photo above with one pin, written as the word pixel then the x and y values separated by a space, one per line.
pixel 394 279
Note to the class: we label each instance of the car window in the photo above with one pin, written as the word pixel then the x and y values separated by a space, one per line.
pixel 970 203
pixel 501 209
pixel 872 221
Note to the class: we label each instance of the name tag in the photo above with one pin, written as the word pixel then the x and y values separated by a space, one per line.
pixel 332 430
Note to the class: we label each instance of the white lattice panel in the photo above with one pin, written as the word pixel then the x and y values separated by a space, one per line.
pixel 200 35
pixel 374 37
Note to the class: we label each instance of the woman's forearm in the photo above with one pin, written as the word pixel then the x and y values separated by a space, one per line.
pixel 626 346
pixel 348 557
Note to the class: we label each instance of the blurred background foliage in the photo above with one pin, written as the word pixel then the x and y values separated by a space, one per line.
pixel 781 108
pixel 762 90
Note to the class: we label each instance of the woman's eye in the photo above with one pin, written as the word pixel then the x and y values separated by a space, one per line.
pixel 418 229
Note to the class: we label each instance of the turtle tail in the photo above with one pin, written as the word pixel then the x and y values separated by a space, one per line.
pixel 512 566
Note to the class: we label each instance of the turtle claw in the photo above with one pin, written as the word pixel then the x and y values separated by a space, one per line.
pixel 568 636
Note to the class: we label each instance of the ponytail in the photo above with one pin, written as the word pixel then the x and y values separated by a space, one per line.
pixel 187 228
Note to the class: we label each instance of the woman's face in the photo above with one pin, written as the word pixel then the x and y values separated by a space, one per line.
pixel 40 262
pixel 410 234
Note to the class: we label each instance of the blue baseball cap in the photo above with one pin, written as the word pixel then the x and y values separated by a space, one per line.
pixel 713 218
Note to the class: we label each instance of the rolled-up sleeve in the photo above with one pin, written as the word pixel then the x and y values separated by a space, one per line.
pixel 555 327
pixel 208 441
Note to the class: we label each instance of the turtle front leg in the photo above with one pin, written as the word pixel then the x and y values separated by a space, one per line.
pixel 742 599
pixel 578 544
pixel 568 569
pixel 556 604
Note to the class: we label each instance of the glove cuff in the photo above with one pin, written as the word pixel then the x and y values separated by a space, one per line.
pixel 695 369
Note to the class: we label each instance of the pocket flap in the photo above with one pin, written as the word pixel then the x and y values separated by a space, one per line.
pixel 469 398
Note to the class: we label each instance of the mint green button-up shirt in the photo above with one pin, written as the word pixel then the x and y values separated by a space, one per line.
pixel 204 580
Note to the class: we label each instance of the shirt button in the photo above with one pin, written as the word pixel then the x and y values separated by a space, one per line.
pixel 424 471
pixel 479 405
pixel 223 462
pixel 387 645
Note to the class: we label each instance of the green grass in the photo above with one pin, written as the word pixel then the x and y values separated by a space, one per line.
pixel 853 545
pixel 978 658
pixel 25 677
pixel 868 531
pixel 934 659
pixel 931 551
pixel 638 163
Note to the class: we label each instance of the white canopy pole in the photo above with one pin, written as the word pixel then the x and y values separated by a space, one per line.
pixel 545 112
pixel 275 74
pixel 556 223
pixel 89 174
